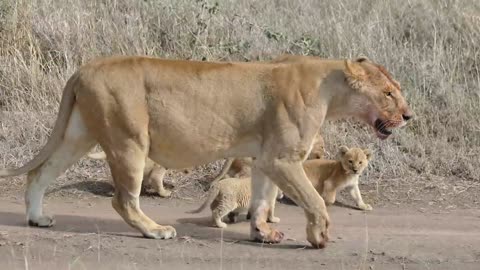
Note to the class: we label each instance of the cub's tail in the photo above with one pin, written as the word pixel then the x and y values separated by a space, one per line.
pixel 212 194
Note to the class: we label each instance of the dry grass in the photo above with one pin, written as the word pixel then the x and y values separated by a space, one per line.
pixel 432 47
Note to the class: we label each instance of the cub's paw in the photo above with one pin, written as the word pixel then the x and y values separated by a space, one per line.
pixel 221 224
pixel 164 193
pixel 365 207
pixel 273 219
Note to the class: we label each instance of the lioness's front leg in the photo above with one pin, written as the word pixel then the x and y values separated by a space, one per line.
pixel 291 178
pixel 263 190
pixel 357 197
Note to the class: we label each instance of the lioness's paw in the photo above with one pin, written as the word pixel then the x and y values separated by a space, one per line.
pixel 273 219
pixel 267 235
pixel 43 221
pixel 316 237
pixel 365 207
pixel 162 232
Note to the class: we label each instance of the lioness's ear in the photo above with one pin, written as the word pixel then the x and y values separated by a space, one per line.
pixel 368 153
pixel 343 150
pixel 355 73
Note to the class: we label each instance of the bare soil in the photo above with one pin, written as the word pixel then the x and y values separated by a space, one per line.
pixel 90 235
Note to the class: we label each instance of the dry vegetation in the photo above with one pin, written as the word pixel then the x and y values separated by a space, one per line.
pixel 432 47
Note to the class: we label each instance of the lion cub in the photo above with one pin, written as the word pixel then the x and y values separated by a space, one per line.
pixel 231 196
pixel 153 174
pixel 330 176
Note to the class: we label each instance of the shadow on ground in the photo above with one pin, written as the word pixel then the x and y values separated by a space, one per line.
pixel 102 188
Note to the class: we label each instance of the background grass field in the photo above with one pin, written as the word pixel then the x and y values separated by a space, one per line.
pixel 432 48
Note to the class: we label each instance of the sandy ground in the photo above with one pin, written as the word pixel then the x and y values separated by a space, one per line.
pixel 90 235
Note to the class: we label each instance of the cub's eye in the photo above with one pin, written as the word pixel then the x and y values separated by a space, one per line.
pixel 351 161
pixel 360 162
pixel 388 94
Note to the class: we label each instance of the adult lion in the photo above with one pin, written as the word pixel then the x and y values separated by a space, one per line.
pixel 186 113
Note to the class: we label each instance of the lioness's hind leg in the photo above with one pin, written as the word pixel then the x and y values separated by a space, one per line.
pixel 127 171
pixel 76 142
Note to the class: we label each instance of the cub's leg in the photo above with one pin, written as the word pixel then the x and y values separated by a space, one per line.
pixel 357 197
pixel 127 161
pixel 290 177
pixel 223 209
pixel 271 213
pixel 76 142
pixel 155 179
pixel 233 217
pixel 329 193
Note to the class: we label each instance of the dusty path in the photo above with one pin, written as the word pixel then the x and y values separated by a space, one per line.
pixel 90 235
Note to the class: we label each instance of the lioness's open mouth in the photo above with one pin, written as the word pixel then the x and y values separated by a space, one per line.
pixel 382 130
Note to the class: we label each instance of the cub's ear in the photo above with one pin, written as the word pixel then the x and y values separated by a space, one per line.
pixel 368 153
pixel 343 150
pixel 355 73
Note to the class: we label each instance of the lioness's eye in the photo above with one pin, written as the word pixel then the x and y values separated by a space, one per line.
pixel 388 94
pixel 351 161
pixel 360 162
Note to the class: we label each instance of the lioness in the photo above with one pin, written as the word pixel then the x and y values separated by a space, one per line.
pixel 153 173
pixel 231 196
pixel 241 167
pixel 186 113
pixel 330 176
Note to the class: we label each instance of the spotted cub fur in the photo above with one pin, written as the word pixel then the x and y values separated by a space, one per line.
pixel 231 196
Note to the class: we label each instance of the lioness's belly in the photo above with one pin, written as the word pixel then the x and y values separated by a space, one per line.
pixel 195 125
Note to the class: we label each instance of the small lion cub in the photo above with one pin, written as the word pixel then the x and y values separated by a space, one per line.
pixel 231 196
pixel 330 176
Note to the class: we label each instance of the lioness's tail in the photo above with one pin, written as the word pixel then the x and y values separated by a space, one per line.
pixel 212 194
pixel 63 116
pixel 98 155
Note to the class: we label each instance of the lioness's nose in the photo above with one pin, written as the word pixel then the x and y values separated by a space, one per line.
pixel 406 116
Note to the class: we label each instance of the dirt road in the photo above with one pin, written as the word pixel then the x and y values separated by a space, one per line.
pixel 90 235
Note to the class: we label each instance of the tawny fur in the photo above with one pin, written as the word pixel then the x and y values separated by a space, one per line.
pixel 331 176
pixel 241 167
pixel 186 113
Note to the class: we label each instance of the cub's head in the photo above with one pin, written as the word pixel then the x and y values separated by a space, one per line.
pixel 354 160
pixel 377 98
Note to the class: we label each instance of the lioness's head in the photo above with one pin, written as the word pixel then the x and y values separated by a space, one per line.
pixel 378 99
pixel 354 160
